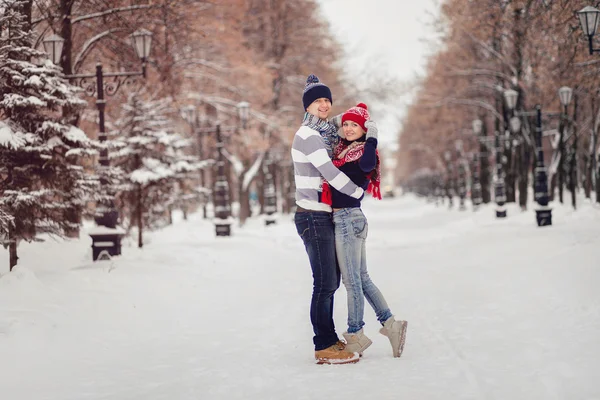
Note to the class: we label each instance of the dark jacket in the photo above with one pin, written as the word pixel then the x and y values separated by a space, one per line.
pixel 357 171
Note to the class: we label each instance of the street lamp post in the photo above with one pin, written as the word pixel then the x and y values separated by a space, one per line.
pixel 499 182
pixel 270 193
pixel 107 236
pixel 589 18
pixel 543 212
pixel 222 218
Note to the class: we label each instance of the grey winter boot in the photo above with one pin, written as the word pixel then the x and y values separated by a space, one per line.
pixel 396 332
pixel 357 342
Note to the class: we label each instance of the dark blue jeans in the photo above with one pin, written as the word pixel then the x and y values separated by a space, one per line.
pixel 317 232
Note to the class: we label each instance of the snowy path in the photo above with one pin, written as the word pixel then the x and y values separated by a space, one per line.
pixel 497 310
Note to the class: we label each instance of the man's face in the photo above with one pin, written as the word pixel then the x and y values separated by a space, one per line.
pixel 320 108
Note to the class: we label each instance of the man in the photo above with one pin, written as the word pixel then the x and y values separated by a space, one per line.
pixel 311 152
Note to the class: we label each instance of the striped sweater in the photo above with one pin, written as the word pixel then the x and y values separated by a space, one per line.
pixel 311 162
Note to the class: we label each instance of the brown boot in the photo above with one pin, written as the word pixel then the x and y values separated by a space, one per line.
pixel 335 355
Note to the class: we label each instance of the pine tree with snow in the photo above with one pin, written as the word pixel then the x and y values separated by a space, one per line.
pixel 151 157
pixel 43 190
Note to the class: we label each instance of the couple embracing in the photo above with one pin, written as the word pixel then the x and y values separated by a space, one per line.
pixel 333 168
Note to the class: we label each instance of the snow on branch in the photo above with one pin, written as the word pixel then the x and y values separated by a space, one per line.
pixel 222 82
pixel 468 102
pixel 205 63
pixel 427 149
pixel 252 171
pixel 89 45
pixel 486 72
pixel 488 48
pixel 238 166
pixel 9 138
pixel 110 12
pixel 216 100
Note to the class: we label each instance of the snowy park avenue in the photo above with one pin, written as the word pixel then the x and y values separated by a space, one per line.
pixel 498 309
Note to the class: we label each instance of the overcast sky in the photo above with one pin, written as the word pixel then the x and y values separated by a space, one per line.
pixel 385 36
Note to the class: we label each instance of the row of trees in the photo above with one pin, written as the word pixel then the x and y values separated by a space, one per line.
pixel 486 48
pixel 204 55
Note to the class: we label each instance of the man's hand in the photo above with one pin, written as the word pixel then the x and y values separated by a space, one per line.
pixel 337 120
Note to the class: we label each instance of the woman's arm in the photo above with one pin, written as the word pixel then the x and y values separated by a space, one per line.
pixel 368 161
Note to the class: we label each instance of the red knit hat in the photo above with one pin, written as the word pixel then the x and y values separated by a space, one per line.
pixel 358 114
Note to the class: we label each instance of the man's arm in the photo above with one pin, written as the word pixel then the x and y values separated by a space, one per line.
pixel 312 146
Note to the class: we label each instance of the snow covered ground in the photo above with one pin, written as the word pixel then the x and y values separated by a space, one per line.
pixel 497 309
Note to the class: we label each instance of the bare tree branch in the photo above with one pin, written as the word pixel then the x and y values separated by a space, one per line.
pixel 110 12
pixel 89 45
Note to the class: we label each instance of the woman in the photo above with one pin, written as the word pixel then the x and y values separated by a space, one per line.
pixel 356 155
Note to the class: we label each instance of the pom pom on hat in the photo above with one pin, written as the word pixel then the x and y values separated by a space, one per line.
pixel 311 79
pixel 358 114
pixel 313 90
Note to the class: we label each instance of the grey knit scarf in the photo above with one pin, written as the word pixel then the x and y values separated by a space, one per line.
pixel 327 130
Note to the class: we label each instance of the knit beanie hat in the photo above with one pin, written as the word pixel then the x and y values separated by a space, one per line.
pixel 358 114
pixel 314 90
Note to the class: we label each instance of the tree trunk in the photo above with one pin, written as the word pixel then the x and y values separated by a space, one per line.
pixel 12 248
pixel 598 183
pixel 66 31
pixel 522 167
pixel 561 163
pixel 552 190
pixel 484 166
pixel 140 213
pixel 244 201
pixel 588 178
pixel 573 165
pixel 260 189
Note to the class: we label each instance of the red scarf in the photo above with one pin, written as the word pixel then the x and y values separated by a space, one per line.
pixel 346 153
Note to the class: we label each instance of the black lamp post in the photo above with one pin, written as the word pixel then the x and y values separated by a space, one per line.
pixel 270 193
pixel 107 237
pixel 499 179
pixel 589 17
pixel 543 212
pixel 222 218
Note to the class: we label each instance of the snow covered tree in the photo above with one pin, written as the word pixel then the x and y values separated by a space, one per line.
pixel 42 188
pixel 149 153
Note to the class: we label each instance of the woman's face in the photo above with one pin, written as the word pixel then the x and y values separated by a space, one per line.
pixel 352 130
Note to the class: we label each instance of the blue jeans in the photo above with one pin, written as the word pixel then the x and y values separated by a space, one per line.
pixel 351 230
pixel 316 230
